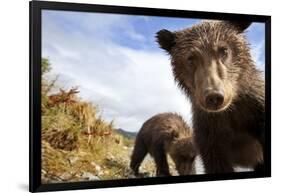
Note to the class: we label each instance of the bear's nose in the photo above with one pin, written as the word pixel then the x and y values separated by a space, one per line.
pixel 214 99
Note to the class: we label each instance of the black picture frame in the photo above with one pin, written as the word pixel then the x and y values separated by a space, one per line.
pixel 36 8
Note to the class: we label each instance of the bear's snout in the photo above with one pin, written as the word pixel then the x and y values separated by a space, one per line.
pixel 213 98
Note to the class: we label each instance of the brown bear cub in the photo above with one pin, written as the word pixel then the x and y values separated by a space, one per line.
pixel 212 64
pixel 163 134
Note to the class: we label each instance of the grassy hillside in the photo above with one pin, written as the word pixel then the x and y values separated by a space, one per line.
pixel 77 143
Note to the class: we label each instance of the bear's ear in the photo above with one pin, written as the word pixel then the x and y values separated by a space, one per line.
pixel 240 25
pixel 166 39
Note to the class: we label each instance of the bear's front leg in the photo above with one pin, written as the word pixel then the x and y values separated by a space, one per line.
pixel 160 158
pixel 216 160
pixel 213 141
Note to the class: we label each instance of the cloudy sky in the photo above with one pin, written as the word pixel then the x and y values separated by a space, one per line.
pixel 117 64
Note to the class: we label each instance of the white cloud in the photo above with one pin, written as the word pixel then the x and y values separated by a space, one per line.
pixel 128 85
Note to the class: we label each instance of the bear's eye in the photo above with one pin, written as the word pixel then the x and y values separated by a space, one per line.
pixel 191 60
pixel 223 52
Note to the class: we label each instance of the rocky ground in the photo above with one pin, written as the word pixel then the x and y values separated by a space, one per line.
pixel 84 163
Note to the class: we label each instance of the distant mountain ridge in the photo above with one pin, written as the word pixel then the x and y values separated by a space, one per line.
pixel 127 134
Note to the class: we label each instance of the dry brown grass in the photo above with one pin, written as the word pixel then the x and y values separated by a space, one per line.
pixel 67 152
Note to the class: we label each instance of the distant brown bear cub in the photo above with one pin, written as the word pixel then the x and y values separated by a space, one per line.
pixel 212 64
pixel 162 134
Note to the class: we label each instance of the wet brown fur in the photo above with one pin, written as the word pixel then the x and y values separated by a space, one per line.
pixel 163 134
pixel 232 134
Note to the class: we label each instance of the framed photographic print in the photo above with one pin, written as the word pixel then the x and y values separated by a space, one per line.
pixel 126 96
